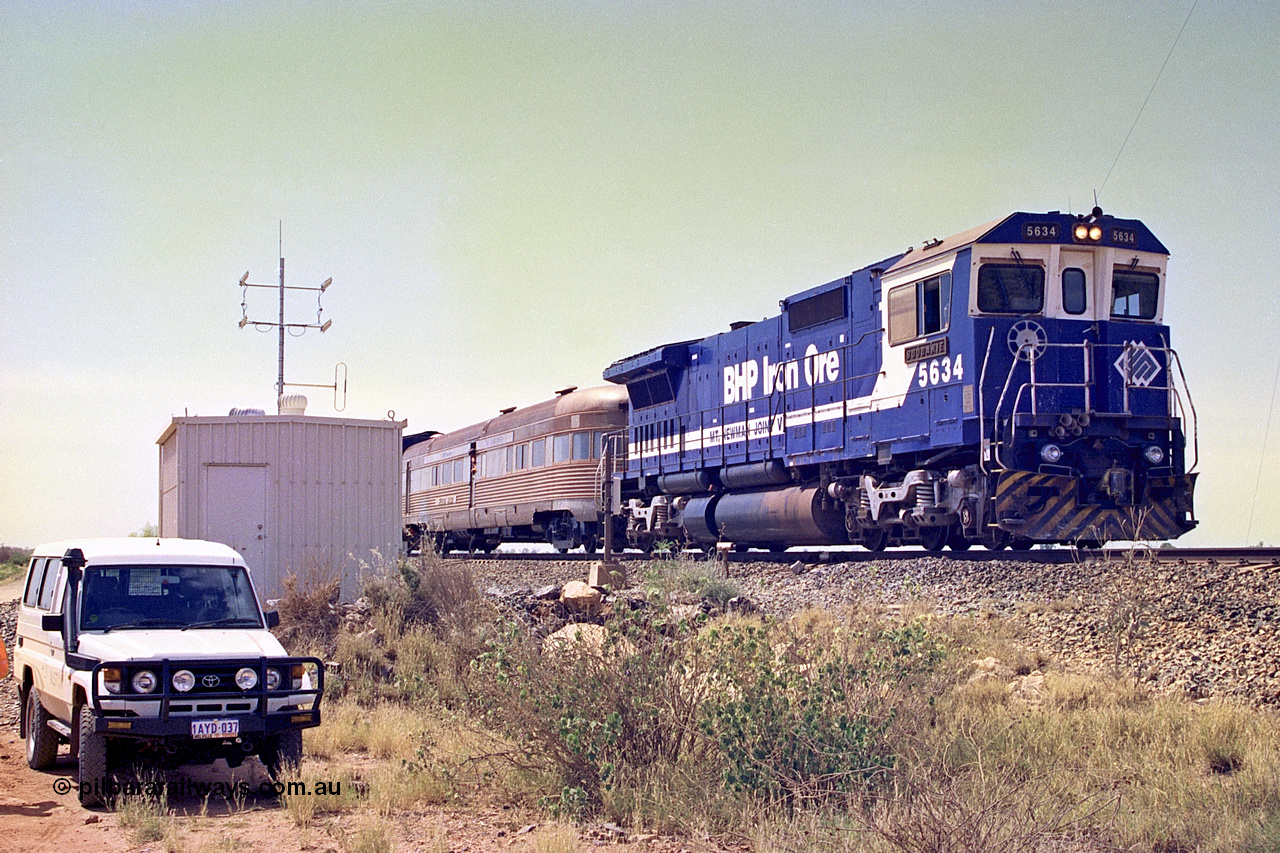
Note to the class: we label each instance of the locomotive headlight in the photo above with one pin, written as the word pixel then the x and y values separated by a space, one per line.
pixel 1081 232
pixel 1051 453
pixel 1095 233
pixel 183 680
pixel 1154 454
pixel 144 681
pixel 246 678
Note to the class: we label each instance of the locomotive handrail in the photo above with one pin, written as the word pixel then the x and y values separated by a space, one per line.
pixel 1029 389
pixel 982 400
pixel 1195 427
pixel 604 472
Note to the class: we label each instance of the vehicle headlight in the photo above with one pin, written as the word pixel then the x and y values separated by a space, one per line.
pixel 246 678
pixel 296 675
pixel 183 680
pixel 1051 453
pixel 144 681
pixel 111 678
pixel 1154 454
pixel 273 679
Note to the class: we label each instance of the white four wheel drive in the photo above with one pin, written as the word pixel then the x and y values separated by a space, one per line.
pixel 154 651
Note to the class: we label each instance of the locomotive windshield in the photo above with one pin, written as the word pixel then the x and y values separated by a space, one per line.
pixel 1134 294
pixel 1010 289
pixel 167 596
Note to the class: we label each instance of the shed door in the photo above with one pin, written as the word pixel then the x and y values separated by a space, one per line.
pixel 235 511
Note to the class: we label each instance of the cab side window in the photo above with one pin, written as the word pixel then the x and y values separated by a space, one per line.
pixel 919 309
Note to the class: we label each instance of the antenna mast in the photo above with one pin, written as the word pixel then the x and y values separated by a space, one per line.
pixel 280 324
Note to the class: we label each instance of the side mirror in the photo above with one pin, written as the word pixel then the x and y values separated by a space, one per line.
pixel 51 622
pixel 273 618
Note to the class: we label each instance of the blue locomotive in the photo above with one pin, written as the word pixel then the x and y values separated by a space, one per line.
pixel 1013 383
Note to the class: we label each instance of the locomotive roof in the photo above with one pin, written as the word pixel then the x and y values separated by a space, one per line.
pixel 606 397
pixel 1010 229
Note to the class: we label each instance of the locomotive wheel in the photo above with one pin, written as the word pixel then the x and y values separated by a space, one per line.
pixel 591 544
pixel 934 538
pixel 958 541
pixel 995 539
pixel 875 539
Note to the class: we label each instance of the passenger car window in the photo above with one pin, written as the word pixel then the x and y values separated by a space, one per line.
pixel 1074 298
pixel 1134 294
pixel 1010 289
pixel 560 449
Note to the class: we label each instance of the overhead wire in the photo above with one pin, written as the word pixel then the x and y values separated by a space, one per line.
pixel 1147 98
pixel 1262 459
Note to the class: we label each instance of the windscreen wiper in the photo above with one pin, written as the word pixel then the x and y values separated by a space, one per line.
pixel 144 623
pixel 226 621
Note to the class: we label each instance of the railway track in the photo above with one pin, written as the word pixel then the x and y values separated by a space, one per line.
pixel 814 556
pixel 1195 622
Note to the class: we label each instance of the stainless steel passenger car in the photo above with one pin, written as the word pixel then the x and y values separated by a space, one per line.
pixel 528 475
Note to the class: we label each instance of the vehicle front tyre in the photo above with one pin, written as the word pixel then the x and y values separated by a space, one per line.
pixel 93 760
pixel 42 741
pixel 283 753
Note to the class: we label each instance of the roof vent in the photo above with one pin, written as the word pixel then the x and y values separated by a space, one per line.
pixel 245 413
pixel 293 404
pixel 568 390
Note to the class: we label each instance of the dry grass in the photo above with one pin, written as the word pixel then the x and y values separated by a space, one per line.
pixel 1015 754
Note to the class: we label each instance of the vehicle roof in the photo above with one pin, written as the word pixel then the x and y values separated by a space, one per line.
pixel 137 550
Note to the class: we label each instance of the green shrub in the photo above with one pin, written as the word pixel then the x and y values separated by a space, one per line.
pixel 800 718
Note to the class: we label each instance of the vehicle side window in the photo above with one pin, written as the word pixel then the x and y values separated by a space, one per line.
pixel 1134 294
pixel 46 589
pixel 919 309
pixel 1074 298
pixel 35 577
pixel 1010 289
pixel 538 453
pixel 581 445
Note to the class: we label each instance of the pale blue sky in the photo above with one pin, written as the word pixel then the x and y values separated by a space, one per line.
pixel 509 196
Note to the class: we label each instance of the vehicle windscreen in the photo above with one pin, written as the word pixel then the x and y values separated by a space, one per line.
pixel 157 596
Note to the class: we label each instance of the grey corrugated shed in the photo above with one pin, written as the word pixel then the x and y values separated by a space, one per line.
pixel 312 496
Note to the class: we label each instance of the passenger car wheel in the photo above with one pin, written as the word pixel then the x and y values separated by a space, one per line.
pixel 92 758
pixel 42 741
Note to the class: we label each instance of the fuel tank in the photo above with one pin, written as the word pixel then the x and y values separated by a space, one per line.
pixel 791 516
